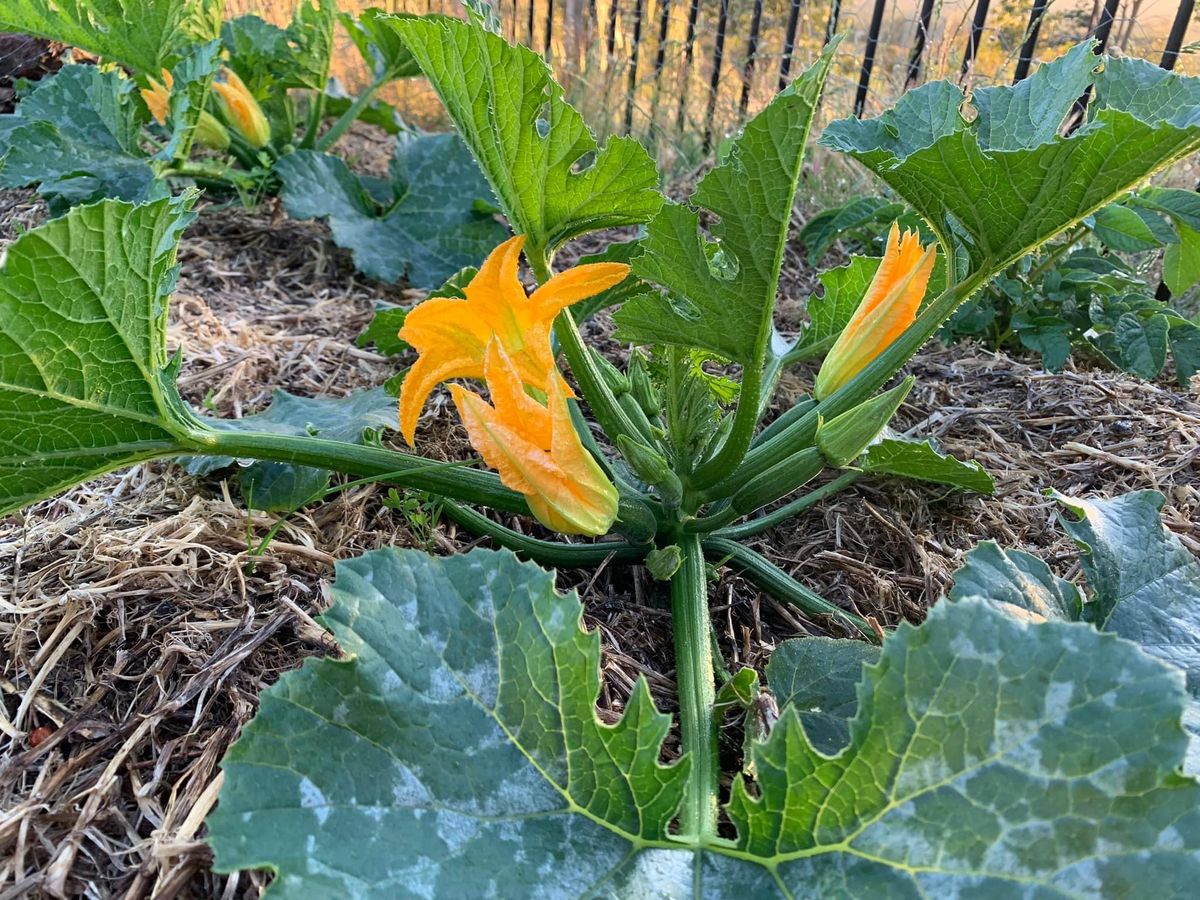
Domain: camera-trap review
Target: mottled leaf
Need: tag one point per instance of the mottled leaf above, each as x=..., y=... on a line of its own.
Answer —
x=276, y=486
x=75, y=136
x=431, y=228
x=455, y=751
x=818, y=678
x=1018, y=579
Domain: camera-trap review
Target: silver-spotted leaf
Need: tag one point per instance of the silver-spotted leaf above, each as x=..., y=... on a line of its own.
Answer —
x=549, y=177
x=75, y=137
x=997, y=186
x=719, y=294
x=431, y=224
x=455, y=752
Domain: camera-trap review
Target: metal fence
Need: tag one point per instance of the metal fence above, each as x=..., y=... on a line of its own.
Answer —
x=682, y=73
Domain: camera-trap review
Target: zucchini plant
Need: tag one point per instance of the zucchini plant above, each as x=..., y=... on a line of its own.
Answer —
x=457, y=751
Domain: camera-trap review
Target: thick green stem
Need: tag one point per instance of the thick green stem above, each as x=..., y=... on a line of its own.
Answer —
x=550, y=553
x=783, y=513
x=779, y=583
x=734, y=447
x=483, y=488
x=346, y=119
x=316, y=111
x=696, y=683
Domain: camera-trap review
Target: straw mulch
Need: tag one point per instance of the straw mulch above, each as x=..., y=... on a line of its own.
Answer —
x=137, y=627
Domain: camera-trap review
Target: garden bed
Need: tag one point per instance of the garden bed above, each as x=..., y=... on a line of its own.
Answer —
x=137, y=628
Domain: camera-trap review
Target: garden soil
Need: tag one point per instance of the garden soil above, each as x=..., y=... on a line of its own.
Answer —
x=138, y=625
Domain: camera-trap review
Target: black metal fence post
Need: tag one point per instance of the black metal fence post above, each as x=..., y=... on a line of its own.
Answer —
x=714, y=84
x=789, y=43
x=918, y=50
x=751, y=53
x=631, y=88
x=549, y=26
x=1030, y=43
x=868, y=63
x=1179, y=28
x=831, y=24
x=689, y=52
x=981, y=11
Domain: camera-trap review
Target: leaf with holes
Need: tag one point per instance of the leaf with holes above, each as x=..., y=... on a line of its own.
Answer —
x=549, y=177
x=997, y=186
x=719, y=295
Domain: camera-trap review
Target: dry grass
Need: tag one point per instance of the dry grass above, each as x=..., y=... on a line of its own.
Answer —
x=137, y=629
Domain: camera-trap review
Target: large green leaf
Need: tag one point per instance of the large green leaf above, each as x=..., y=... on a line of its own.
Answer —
x=719, y=295
x=85, y=382
x=549, y=177
x=142, y=34
x=1019, y=579
x=276, y=486
x=431, y=225
x=831, y=310
x=75, y=136
x=1145, y=584
x=456, y=751
x=996, y=186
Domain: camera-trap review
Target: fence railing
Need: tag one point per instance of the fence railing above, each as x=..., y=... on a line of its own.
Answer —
x=682, y=73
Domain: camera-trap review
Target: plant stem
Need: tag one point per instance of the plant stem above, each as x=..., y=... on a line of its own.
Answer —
x=550, y=553
x=810, y=351
x=316, y=110
x=608, y=412
x=734, y=447
x=346, y=119
x=696, y=684
x=785, y=512
x=774, y=580
x=456, y=483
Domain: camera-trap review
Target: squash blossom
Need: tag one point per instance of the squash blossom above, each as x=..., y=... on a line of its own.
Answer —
x=536, y=449
x=158, y=96
x=451, y=335
x=241, y=110
x=887, y=308
x=209, y=131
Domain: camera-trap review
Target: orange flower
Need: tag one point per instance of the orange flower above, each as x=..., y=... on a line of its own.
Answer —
x=889, y=306
x=451, y=335
x=241, y=110
x=158, y=97
x=535, y=448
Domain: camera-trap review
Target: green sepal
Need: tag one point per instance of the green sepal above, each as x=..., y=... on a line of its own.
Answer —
x=843, y=438
x=663, y=562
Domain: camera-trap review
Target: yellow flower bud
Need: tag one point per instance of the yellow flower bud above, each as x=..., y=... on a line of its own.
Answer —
x=241, y=110
x=211, y=133
x=888, y=307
